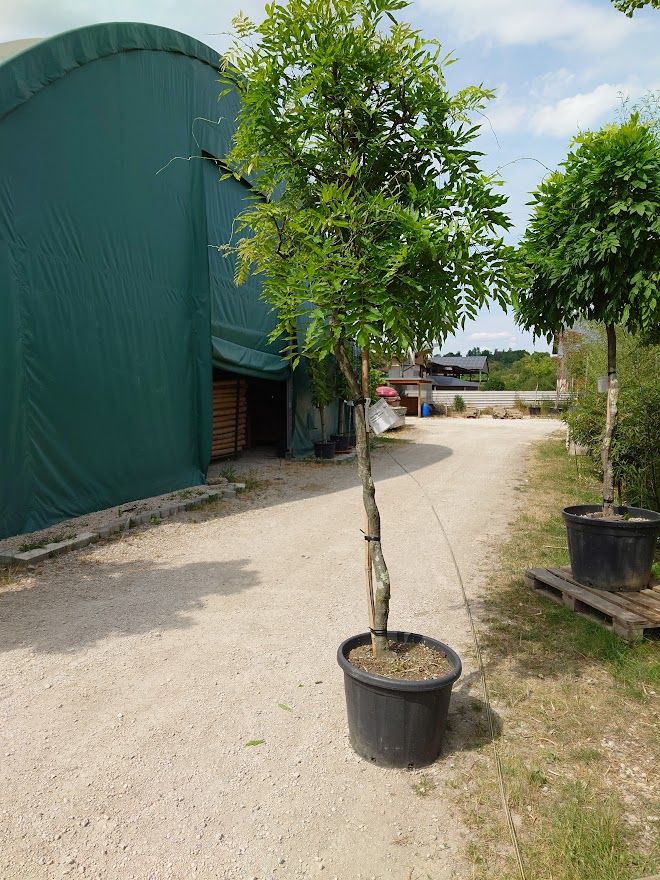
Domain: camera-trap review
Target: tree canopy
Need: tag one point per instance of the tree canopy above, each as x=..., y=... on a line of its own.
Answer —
x=537, y=370
x=629, y=7
x=592, y=247
x=376, y=225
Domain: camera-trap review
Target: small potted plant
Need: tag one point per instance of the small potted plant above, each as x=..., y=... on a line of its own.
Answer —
x=378, y=233
x=345, y=437
x=591, y=251
x=323, y=393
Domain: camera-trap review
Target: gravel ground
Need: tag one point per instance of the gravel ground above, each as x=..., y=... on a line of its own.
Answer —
x=92, y=522
x=134, y=673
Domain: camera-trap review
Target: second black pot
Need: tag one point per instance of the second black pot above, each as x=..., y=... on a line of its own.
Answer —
x=324, y=450
x=341, y=442
x=393, y=722
x=612, y=555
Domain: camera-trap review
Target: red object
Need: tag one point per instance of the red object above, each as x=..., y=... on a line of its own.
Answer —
x=386, y=391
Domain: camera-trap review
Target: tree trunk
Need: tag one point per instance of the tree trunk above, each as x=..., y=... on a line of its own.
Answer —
x=610, y=422
x=382, y=576
x=322, y=417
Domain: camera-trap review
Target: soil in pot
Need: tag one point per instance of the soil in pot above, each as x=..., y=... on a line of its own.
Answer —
x=412, y=661
x=611, y=553
x=398, y=722
x=324, y=450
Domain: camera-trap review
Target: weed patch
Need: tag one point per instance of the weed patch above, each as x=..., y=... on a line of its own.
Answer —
x=55, y=538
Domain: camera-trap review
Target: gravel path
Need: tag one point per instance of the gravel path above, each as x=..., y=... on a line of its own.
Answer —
x=134, y=673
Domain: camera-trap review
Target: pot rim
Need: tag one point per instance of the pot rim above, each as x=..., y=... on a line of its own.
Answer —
x=400, y=684
x=575, y=514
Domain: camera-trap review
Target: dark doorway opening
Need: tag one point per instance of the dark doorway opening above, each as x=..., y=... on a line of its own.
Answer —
x=267, y=415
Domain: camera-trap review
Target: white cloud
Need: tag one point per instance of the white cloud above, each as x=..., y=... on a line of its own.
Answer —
x=551, y=84
x=568, y=23
x=545, y=113
x=479, y=337
x=506, y=116
x=576, y=113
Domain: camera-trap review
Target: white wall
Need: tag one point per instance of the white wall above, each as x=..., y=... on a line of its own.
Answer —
x=483, y=399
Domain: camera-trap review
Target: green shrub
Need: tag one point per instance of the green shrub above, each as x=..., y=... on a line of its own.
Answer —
x=459, y=403
x=635, y=447
x=494, y=383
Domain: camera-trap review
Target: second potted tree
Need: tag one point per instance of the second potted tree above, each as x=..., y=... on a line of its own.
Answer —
x=323, y=394
x=592, y=251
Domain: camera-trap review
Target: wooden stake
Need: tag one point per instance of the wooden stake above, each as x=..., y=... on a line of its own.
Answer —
x=368, y=570
x=368, y=565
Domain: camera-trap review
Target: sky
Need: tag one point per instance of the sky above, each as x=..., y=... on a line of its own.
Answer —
x=558, y=67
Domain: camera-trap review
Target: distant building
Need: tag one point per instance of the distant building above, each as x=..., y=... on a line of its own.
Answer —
x=471, y=368
x=461, y=373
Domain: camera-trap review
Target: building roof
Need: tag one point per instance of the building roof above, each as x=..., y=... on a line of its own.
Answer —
x=28, y=66
x=15, y=47
x=471, y=364
x=450, y=382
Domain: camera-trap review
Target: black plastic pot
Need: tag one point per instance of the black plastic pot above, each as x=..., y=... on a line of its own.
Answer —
x=615, y=555
x=341, y=442
x=352, y=439
x=393, y=722
x=324, y=450
x=534, y=410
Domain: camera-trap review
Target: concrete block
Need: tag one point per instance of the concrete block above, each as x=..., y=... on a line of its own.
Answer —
x=141, y=518
x=32, y=556
x=58, y=547
x=84, y=539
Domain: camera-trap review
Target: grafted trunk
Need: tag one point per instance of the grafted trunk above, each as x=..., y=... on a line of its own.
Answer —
x=610, y=422
x=381, y=596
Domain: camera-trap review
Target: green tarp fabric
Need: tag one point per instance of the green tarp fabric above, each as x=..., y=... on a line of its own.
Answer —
x=241, y=322
x=113, y=307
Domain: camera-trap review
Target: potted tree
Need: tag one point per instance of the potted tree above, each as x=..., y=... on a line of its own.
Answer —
x=345, y=436
x=592, y=251
x=323, y=393
x=377, y=233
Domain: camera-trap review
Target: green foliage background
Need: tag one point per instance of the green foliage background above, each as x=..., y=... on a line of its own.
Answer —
x=636, y=444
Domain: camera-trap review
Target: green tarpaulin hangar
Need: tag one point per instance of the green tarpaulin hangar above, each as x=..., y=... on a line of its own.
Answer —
x=127, y=353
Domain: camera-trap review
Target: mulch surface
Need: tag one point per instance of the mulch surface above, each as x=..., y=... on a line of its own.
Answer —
x=412, y=662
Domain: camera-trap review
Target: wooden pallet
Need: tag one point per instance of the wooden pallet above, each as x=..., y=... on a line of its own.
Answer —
x=631, y=615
